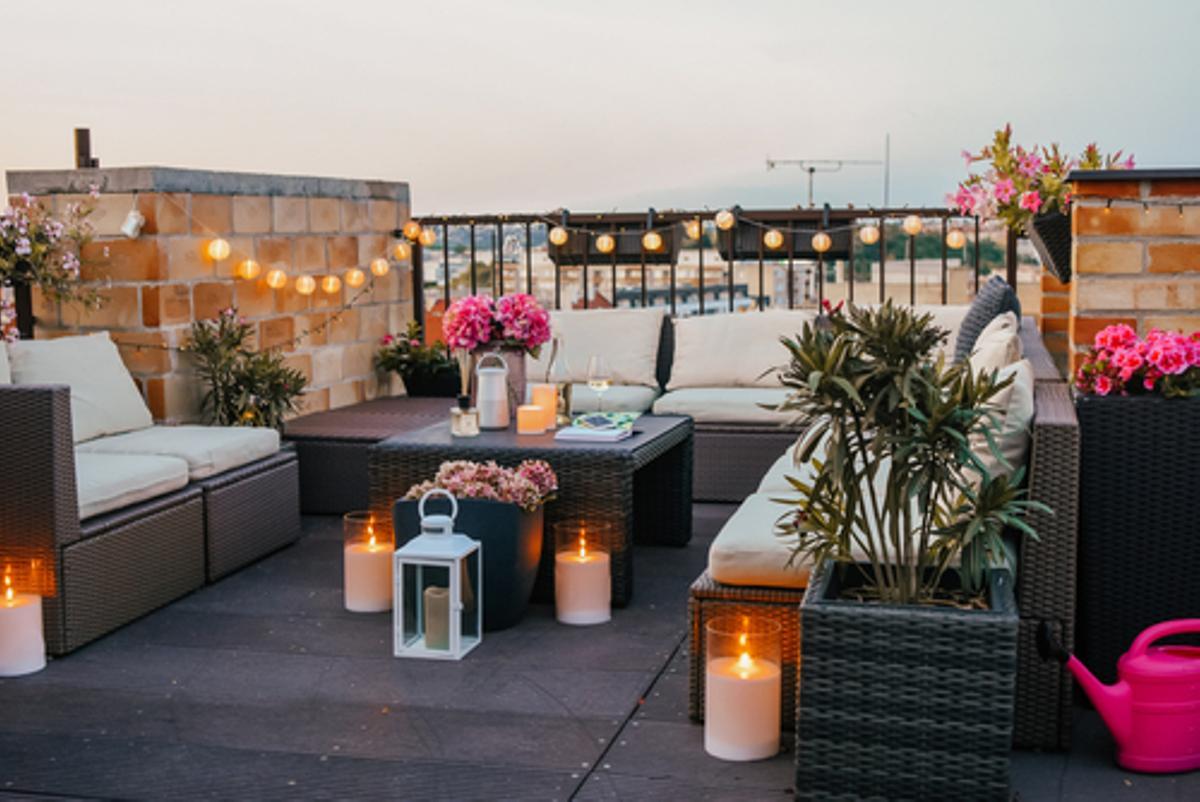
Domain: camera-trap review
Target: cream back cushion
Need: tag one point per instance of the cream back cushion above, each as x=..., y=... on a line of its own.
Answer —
x=104, y=398
x=1013, y=409
x=735, y=349
x=5, y=374
x=626, y=338
x=998, y=345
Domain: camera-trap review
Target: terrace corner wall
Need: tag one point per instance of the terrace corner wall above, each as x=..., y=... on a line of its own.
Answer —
x=159, y=283
x=1135, y=260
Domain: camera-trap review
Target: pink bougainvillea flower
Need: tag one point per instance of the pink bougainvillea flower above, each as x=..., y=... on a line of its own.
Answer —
x=1004, y=190
x=1031, y=200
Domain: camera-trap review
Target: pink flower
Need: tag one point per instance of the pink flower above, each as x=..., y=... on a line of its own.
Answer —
x=1030, y=165
x=523, y=321
x=1031, y=200
x=968, y=158
x=964, y=199
x=468, y=322
x=386, y=339
x=1004, y=190
x=1128, y=164
x=1103, y=385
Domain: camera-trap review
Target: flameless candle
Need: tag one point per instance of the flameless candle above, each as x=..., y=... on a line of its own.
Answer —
x=742, y=690
x=530, y=420
x=22, y=648
x=546, y=397
x=367, y=570
x=582, y=574
x=437, y=617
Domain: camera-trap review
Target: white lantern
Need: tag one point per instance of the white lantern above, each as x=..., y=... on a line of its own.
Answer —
x=912, y=225
x=821, y=242
x=438, y=604
x=725, y=219
x=773, y=239
x=869, y=234
x=955, y=238
x=558, y=236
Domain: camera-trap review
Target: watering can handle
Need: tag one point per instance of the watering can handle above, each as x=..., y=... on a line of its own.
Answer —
x=438, y=491
x=494, y=355
x=1163, y=630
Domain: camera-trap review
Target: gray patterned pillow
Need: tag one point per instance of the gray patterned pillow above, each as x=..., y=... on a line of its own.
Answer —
x=994, y=298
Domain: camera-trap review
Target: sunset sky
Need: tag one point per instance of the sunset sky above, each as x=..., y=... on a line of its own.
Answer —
x=527, y=106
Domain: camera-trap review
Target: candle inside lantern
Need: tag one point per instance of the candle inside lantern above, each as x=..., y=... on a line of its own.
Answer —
x=367, y=565
x=582, y=573
x=530, y=420
x=22, y=647
x=546, y=397
x=437, y=617
x=742, y=692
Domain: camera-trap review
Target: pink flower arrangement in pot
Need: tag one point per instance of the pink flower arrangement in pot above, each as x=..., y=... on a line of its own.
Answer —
x=513, y=321
x=1121, y=363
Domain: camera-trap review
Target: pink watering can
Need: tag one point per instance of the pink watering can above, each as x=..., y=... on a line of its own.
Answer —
x=1153, y=710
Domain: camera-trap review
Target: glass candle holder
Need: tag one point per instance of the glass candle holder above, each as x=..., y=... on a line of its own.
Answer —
x=530, y=419
x=742, y=687
x=22, y=647
x=464, y=418
x=583, y=572
x=367, y=563
x=546, y=397
x=562, y=415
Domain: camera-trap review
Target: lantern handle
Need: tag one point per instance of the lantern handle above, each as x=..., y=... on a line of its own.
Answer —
x=491, y=355
x=438, y=491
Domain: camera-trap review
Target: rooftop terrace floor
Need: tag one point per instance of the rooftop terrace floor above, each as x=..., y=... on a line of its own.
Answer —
x=263, y=687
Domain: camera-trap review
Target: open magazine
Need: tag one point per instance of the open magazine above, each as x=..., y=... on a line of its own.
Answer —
x=599, y=427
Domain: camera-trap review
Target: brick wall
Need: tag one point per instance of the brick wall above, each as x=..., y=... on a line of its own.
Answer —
x=158, y=284
x=1135, y=252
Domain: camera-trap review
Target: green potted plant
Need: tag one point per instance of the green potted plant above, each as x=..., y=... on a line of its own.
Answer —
x=426, y=370
x=909, y=625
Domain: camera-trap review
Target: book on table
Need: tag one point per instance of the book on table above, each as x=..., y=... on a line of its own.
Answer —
x=599, y=427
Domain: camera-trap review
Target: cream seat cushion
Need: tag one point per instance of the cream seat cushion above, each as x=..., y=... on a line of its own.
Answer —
x=748, y=552
x=726, y=405
x=104, y=398
x=618, y=398
x=775, y=479
x=206, y=450
x=736, y=349
x=627, y=338
x=106, y=482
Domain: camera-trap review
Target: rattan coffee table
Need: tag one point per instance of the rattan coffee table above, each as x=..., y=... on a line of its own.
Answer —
x=642, y=485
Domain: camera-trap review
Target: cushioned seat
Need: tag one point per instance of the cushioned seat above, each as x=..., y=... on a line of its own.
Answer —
x=726, y=405
x=619, y=398
x=775, y=481
x=748, y=552
x=106, y=482
x=207, y=450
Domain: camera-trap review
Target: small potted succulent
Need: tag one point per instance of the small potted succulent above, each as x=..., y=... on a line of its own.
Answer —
x=426, y=370
x=503, y=509
x=909, y=624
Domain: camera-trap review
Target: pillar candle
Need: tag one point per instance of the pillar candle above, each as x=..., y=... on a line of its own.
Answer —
x=546, y=397
x=741, y=708
x=582, y=587
x=22, y=648
x=368, y=576
x=530, y=420
x=437, y=617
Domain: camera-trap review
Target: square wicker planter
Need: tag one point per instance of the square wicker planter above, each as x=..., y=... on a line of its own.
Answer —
x=1139, y=541
x=904, y=702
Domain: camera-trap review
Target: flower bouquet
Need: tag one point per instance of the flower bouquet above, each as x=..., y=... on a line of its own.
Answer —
x=513, y=326
x=1121, y=363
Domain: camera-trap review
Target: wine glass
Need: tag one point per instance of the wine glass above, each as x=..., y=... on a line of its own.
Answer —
x=599, y=378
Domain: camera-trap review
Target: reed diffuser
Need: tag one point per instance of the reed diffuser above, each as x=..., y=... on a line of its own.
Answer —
x=464, y=418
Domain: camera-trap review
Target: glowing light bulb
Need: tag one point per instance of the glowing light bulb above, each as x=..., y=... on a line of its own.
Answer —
x=821, y=242
x=725, y=219
x=428, y=237
x=955, y=238
x=912, y=225
x=869, y=234
x=773, y=239
x=558, y=236
x=218, y=249
x=606, y=243
x=306, y=285
x=331, y=284
x=652, y=241
x=380, y=266
x=412, y=230
x=691, y=229
x=248, y=269
x=276, y=279
x=401, y=251
x=355, y=277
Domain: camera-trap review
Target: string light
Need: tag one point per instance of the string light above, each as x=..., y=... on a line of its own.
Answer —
x=428, y=236
x=606, y=243
x=401, y=251
x=248, y=269
x=691, y=228
x=821, y=242
x=558, y=236
x=331, y=284
x=773, y=239
x=355, y=277
x=955, y=238
x=869, y=234
x=218, y=250
x=380, y=267
x=725, y=219
x=652, y=241
x=276, y=279
x=912, y=225
x=412, y=230
x=306, y=285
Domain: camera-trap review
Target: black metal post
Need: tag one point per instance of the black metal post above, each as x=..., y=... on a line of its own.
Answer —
x=418, y=284
x=761, y=277
x=976, y=254
x=474, y=278
x=642, y=249
x=912, y=269
x=850, y=264
x=945, y=274
x=498, y=259
x=613, y=265
x=23, y=306
x=587, y=245
x=700, y=268
x=446, y=262
x=1010, y=258
x=882, y=257
x=529, y=258
x=791, y=270
x=731, y=255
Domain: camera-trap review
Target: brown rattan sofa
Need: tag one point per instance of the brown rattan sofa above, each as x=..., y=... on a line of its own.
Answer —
x=1045, y=581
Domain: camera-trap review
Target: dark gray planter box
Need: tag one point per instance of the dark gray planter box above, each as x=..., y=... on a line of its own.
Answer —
x=904, y=702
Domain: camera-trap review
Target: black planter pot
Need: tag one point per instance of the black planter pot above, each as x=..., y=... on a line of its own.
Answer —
x=1050, y=234
x=512, y=548
x=1139, y=540
x=432, y=384
x=904, y=702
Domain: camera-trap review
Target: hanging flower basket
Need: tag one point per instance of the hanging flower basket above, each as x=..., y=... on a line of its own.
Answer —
x=1050, y=234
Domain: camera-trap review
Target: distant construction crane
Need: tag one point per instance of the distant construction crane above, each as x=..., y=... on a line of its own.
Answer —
x=814, y=166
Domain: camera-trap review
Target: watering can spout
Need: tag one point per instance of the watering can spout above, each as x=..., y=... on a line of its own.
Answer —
x=1113, y=702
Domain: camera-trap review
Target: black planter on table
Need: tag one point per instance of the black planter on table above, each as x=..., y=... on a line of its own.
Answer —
x=512, y=548
x=1050, y=234
x=904, y=701
x=1139, y=532
x=428, y=384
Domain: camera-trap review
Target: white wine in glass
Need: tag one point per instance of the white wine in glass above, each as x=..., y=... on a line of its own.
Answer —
x=599, y=379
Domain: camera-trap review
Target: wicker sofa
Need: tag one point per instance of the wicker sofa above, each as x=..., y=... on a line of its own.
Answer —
x=110, y=526
x=1045, y=580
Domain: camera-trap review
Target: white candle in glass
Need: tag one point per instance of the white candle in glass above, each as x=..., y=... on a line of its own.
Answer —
x=582, y=585
x=22, y=647
x=368, y=575
x=741, y=707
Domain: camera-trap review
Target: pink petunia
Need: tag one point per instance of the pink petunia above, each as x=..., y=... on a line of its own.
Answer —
x=1103, y=385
